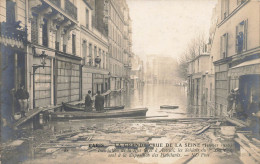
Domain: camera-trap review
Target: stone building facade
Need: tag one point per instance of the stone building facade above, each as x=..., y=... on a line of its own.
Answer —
x=112, y=19
x=59, y=49
x=236, y=51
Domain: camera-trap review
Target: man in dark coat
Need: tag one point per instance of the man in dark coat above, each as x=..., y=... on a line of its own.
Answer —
x=99, y=102
x=22, y=96
x=88, y=102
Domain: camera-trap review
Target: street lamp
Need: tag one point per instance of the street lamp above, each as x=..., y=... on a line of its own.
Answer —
x=43, y=57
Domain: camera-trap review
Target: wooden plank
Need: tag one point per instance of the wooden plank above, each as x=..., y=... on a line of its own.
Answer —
x=33, y=113
x=256, y=140
x=242, y=137
x=202, y=130
x=30, y=115
x=235, y=122
x=252, y=153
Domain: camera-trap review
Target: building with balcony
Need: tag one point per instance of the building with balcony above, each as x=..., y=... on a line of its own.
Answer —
x=58, y=55
x=235, y=51
x=94, y=52
x=52, y=28
x=111, y=18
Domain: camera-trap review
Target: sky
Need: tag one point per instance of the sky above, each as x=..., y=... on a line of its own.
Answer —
x=165, y=27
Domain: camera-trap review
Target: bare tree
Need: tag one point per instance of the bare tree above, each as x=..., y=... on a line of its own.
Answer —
x=193, y=49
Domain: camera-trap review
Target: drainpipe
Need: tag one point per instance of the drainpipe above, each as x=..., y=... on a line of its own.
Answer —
x=27, y=75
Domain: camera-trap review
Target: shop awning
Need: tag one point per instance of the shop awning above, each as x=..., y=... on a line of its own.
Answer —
x=245, y=68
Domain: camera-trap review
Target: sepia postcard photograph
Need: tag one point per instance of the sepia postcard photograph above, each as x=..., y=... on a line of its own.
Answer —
x=130, y=81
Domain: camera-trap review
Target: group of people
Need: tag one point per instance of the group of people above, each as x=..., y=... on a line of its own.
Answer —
x=99, y=102
x=237, y=105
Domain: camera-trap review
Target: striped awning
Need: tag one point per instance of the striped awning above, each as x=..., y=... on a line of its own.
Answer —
x=245, y=68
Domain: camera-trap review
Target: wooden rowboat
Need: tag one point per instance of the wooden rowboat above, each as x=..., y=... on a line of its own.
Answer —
x=71, y=108
x=168, y=107
x=103, y=114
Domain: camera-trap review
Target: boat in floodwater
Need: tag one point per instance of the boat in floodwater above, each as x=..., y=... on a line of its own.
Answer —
x=168, y=107
x=99, y=114
x=81, y=107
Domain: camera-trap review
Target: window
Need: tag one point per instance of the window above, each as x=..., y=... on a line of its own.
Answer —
x=34, y=29
x=84, y=49
x=224, y=45
x=73, y=44
x=87, y=18
x=45, y=33
x=10, y=12
x=95, y=52
x=224, y=8
x=90, y=54
x=210, y=92
x=241, y=36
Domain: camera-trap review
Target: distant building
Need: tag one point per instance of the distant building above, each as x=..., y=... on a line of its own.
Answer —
x=137, y=72
x=197, y=78
x=161, y=70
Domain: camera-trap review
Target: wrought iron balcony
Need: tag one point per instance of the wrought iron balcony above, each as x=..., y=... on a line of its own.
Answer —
x=13, y=30
x=71, y=9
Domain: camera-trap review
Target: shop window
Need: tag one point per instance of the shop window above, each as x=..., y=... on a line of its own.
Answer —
x=241, y=36
x=224, y=45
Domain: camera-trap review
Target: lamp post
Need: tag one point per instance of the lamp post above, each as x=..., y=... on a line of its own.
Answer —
x=43, y=57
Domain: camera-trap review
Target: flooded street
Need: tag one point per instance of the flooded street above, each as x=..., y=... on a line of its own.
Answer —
x=168, y=135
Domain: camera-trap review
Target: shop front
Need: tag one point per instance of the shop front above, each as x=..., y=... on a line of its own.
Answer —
x=67, y=78
x=245, y=77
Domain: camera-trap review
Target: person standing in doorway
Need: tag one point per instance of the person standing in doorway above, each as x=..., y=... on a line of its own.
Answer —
x=99, y=102
x=230, y=99
x=88, y=101
x=22, y=96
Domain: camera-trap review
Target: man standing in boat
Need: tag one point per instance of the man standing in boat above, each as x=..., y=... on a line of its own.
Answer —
x=99, y=102
x=88, y=102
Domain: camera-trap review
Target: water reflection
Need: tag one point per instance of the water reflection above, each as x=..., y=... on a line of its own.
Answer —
x=152, y=96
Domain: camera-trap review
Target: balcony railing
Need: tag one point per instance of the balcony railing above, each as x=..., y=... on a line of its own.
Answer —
x=71, y=9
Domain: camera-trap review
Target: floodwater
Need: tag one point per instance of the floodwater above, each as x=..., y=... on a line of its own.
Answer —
x=161, y=138
x=152, y=97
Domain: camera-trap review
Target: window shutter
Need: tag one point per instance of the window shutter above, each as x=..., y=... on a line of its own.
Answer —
x=221, y=46
x=226, y=48
x=236, y=41
x=245, y=34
